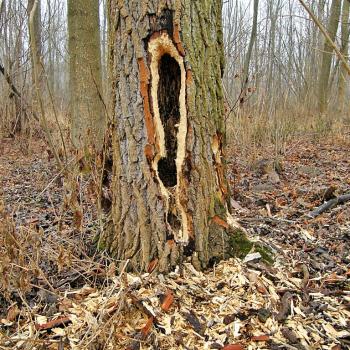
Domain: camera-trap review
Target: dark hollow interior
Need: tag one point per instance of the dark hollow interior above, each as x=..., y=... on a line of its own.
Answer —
x=169, y=110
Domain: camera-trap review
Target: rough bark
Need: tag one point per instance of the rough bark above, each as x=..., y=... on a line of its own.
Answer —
x=169, y=193
x=327, y=55
x=87, y=110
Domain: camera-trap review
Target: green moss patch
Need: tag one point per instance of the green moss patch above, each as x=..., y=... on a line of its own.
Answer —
x=240, y=246
x=266, y=253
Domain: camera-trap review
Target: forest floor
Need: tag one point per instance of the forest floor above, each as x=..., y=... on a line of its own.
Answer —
x=56, y=293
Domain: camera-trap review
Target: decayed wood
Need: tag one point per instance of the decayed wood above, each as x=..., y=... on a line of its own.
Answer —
x=153, y=219
x=329, y=204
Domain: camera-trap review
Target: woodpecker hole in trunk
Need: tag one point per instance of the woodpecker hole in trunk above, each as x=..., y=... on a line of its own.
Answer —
x=169, y=110
x=168, y=97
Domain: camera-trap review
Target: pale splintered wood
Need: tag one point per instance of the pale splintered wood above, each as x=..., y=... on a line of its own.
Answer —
x=157, y=48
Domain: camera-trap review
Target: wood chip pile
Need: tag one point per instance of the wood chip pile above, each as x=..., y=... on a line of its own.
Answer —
x=235, y=306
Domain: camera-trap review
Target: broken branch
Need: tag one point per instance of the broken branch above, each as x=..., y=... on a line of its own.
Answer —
x=326, y=35
x=329, y=204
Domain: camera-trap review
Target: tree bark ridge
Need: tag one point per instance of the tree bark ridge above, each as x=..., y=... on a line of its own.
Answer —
x=150, y=217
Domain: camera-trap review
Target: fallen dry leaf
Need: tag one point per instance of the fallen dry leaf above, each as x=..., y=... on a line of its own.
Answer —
x=152, y=265
x=12, y=313
x=221, y=305
x=284, y=307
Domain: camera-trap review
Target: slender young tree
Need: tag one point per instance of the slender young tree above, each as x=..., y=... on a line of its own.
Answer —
x=87, y=110
x=332, y=28
x=249, y=52
x=343, y=74
x=37, y=36
x=169, y=192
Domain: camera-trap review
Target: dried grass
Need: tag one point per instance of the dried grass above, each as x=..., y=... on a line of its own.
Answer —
x=271, y=132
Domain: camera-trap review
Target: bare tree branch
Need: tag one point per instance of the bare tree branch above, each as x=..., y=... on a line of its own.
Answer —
x=15, y=90
x=326, y=35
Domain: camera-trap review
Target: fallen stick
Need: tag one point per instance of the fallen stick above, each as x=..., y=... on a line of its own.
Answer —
x=328, y=205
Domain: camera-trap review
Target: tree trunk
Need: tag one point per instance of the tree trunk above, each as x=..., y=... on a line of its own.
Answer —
x=36, y=34
x=87, y=110
x=327, y=55
x=169, y=193
x=50, y=50
x=37, y=38
x=343, y=74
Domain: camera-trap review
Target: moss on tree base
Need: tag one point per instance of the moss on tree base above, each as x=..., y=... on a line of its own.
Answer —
x=227, y=241
x=241, y=245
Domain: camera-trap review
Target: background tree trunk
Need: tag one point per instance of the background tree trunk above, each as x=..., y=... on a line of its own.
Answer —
x=169, y=190
x=245, y=76
x=37, y=36
x=38, y=54
x=87, y=110
x=343, y=74
x=327, y=55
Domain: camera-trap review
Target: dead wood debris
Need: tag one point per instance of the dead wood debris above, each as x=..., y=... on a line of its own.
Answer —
x=220, y=309
x=329, y=204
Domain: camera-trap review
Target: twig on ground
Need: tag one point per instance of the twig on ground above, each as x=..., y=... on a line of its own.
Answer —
x=269, y=219
x=328, y=205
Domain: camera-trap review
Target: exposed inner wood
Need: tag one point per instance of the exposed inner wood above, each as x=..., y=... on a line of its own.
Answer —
x=168, y=93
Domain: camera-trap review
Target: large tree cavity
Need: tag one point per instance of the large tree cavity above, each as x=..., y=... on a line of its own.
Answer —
x=168, y=103
x=168, y=99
